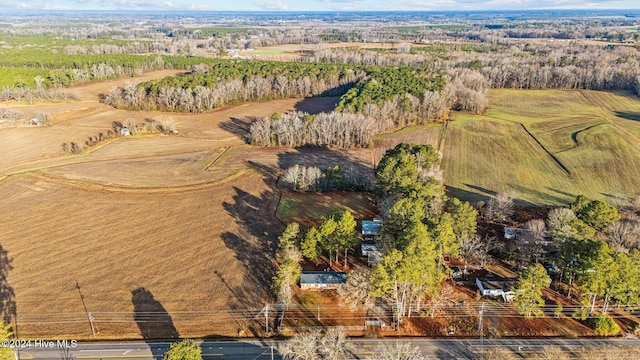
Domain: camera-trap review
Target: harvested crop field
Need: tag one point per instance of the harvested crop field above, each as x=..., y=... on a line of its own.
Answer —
x=160, y=236
x=198, y=253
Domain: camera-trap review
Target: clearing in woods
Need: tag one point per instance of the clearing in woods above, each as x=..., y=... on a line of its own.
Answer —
x=546, y=146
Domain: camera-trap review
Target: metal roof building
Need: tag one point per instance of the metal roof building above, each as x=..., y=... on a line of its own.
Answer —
x=322, y=279
x=371, y=227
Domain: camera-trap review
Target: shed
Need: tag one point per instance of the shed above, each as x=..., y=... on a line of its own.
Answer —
x=368, y=248
x=372, y=252
x=319, y=280
x=497, y=287
x=371, y=227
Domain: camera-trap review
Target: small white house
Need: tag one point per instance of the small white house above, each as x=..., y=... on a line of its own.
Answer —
x=319, y=280
x=497, y=287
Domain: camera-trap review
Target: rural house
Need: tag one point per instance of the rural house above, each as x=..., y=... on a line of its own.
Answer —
x=497, y=287
x=320, y=280
x=371, y=227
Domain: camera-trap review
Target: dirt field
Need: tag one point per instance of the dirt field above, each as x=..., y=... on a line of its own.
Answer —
x=161, y=236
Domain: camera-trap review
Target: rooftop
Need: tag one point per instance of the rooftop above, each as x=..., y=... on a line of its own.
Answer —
x=323, y=277
x=504, y=284
x=371, y=227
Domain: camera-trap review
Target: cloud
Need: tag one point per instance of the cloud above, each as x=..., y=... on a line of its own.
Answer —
x=201, y=7
x=504, y=4
x=129, y=4
x=13, y=4
x=272, y=5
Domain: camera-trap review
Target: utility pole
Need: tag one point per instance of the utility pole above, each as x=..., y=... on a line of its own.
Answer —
x=481, y=329
x=15, y=334
x=266, y=318
x=89, y=316
x=318, y=313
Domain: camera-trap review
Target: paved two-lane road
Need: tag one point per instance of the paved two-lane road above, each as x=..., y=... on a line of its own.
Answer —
x=256, y=350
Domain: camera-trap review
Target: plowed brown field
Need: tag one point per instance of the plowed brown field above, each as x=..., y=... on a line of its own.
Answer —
x=150, y=236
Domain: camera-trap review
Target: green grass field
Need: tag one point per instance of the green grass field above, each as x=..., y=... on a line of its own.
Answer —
x=311, y=208
x=547, y=146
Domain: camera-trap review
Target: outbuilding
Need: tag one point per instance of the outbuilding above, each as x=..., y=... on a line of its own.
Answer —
x=497, y=287
x=371, y=227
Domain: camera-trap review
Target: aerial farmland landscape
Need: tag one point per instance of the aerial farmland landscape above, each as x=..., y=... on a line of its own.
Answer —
x=320, y=180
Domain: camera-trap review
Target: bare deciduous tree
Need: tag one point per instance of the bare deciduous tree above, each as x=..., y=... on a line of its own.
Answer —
x=11, y=115
x=623, y=235
x=317, y=345
x=531, y=245
x=500, y=207
x=398, y=351
x=475, y=250
x=43, y=117
x=559, y=221
x=357, y=291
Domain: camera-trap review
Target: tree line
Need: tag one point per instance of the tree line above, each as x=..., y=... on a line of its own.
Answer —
x=334, y=129
x=518, y=66
x=374, y=99
x=312, y=178
x=227, y=82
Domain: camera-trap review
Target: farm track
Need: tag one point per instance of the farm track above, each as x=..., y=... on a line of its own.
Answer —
x=574, y=137
x=553, y=157
x=441, y=139
x=52, y=162
x=217, y=158
x=97, y=186
x=636, y=140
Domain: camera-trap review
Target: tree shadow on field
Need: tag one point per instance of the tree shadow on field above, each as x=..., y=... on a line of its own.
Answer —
x=634, y=116
x=486, y=191
x=466, y=195
x=153, y=320
x=316, y=105
x=254, y=242
x=238, y=127
x=7, y=295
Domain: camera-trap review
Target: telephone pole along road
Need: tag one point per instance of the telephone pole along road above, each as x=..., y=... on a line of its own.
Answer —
x=363, y=349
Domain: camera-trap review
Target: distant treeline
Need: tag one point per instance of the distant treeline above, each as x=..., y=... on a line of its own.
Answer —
x=543, y=65
x=60, y=70
x=230, y=81
x=373, y=99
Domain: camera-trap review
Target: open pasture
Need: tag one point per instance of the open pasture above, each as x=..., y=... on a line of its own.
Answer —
x=546, y=146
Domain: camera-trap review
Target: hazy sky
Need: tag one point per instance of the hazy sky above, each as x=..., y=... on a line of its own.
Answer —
x=315, y=5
